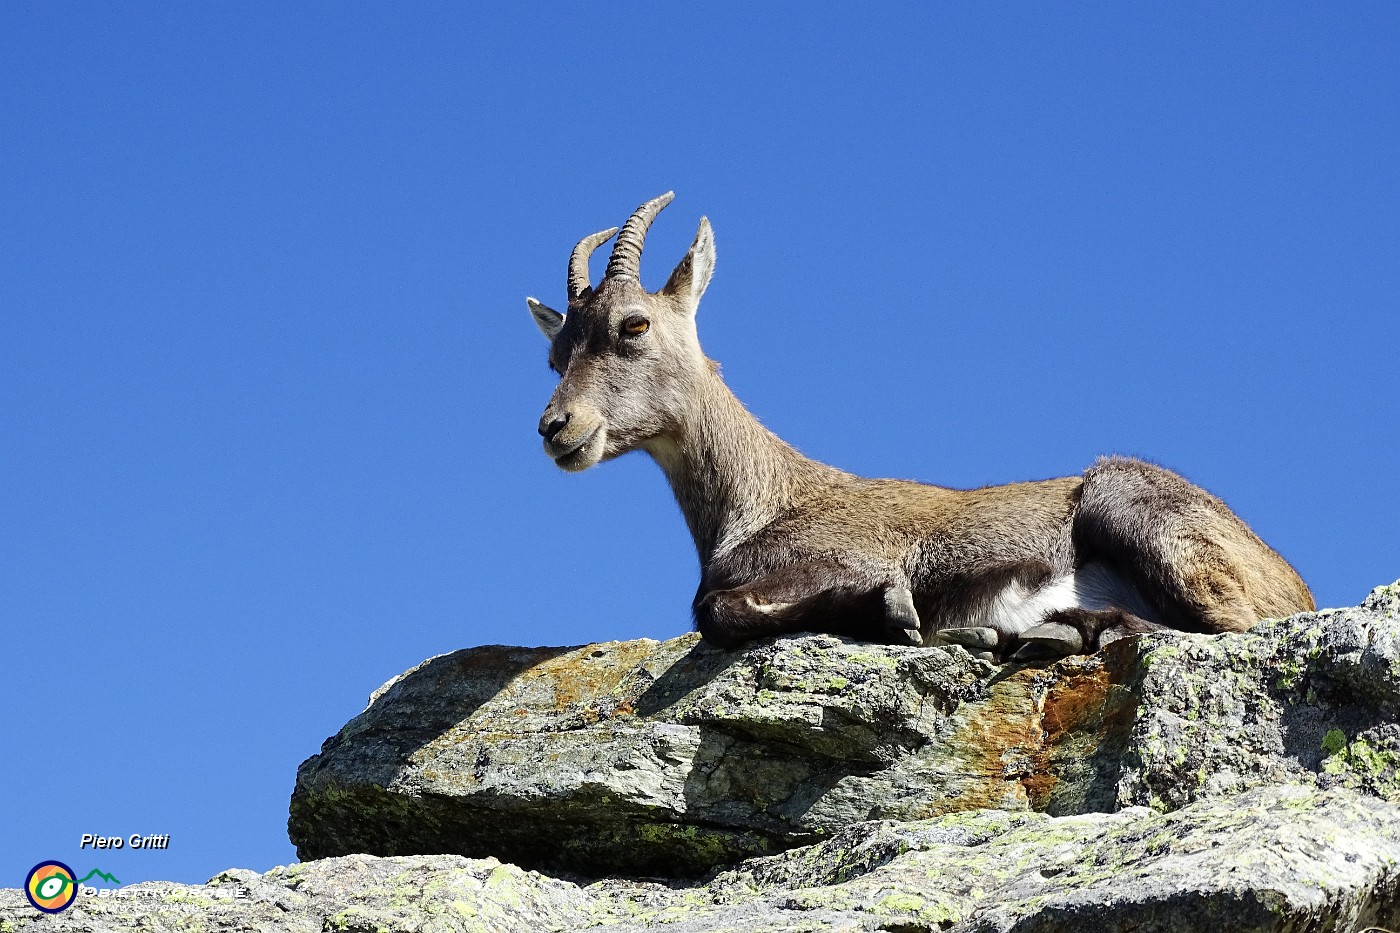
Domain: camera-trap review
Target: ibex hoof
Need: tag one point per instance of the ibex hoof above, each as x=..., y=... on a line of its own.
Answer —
x=977, y=638
x=907, y=636
x=901, y=618
x=1048, y=640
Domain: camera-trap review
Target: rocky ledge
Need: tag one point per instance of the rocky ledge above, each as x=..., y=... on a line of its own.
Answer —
x=673, y=758
x=1171, y=782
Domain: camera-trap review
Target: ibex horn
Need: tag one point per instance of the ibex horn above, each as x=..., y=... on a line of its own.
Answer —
x=579, y=282
x=626, y=259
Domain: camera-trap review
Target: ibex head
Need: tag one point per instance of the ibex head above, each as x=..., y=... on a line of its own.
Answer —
x=627, y=358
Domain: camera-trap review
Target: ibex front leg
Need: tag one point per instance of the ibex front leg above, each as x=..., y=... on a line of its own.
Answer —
x=809, y=597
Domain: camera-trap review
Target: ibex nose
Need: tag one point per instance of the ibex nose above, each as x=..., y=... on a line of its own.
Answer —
x=552, y=424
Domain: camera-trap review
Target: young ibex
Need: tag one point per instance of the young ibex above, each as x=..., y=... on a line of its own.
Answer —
x=1026, y=570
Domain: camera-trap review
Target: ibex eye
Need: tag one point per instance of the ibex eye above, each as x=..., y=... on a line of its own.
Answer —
x=635, y=326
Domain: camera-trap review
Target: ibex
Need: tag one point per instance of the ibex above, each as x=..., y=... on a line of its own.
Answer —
x=1023, y=571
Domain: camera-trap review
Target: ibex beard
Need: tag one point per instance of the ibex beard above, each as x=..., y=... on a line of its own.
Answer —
x=1023, y=571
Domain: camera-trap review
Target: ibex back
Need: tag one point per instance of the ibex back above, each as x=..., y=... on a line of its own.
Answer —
x=787, y=544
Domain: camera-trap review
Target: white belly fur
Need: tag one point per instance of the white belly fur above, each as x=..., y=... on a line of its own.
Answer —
x=1093, y=586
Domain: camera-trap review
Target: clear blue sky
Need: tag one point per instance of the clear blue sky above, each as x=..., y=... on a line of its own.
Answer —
x=268, y=385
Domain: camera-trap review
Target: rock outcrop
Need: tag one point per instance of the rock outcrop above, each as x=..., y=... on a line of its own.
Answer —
x=672, y=758
x=1170, y=783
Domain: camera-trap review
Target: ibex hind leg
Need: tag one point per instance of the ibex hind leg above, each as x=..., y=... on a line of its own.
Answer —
x=1188, y=555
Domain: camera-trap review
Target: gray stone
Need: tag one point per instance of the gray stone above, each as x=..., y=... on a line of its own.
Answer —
x=662, y=758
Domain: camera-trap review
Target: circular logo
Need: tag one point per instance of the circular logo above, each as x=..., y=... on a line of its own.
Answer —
x=50, y=887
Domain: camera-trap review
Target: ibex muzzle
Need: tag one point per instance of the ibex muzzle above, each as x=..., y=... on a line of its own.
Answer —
x=787, y=544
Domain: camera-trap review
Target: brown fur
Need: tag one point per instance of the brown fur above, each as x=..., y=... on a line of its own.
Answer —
x=788, y=544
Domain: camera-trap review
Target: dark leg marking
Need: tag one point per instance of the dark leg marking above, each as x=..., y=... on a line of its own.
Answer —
x=809, y=598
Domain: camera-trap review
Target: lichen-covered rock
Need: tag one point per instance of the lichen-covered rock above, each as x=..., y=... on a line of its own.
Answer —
x=350, y=894
x=1289, y=858
x=1312, y=697
x=1286, y=858
x=671, y=758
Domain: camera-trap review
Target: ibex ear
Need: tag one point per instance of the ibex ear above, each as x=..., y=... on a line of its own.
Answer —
x=692, y=276
x=549, y=321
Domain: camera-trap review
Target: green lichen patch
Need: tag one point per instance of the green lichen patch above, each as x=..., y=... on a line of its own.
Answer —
x=1363, y=765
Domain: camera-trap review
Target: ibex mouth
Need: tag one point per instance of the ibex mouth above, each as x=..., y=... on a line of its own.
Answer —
x=579, y=455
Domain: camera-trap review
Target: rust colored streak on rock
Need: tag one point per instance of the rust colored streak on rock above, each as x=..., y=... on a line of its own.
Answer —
x=994, y=739
x=1083, y=708
x=583, y=675
x=1075, y=702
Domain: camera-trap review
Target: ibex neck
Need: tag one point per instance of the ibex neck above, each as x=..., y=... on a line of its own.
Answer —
x=730, y=474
